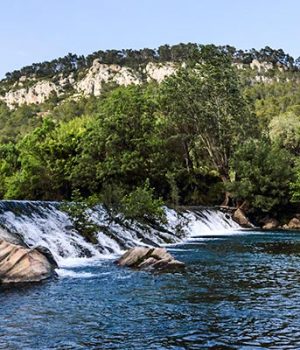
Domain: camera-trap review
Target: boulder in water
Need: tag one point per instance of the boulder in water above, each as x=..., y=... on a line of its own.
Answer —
x=294, y=224
x=240, y=218
x=20, y=265
x=270, y=224
x=150, y=259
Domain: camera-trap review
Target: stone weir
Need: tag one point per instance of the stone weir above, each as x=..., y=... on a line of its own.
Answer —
x=30, y=224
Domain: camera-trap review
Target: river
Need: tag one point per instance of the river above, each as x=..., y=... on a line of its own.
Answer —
x=239, y=291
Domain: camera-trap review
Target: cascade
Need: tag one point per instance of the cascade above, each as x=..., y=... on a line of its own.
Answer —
x=37, y=223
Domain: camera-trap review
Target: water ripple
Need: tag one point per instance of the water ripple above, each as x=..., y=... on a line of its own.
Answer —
x=236, y=293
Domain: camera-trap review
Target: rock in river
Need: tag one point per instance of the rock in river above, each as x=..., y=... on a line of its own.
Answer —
x=294, y=224
x=240, y=217
x=150, y=259
x=19, y=264
x=270, y=224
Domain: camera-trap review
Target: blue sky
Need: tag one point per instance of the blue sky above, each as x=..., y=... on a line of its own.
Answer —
x=38, y=30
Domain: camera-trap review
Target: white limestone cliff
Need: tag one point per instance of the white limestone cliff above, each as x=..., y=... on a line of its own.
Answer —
x=36, y=94
x=158, y=72
x=94, y=79
x=99, y=74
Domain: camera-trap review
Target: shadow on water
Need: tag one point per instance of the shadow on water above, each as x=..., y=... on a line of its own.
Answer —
x=21, y=288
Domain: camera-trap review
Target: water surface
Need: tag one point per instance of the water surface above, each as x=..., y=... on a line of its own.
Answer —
x=239, y=291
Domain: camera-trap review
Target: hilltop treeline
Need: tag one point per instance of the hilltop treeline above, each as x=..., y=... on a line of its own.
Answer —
x=137, y=58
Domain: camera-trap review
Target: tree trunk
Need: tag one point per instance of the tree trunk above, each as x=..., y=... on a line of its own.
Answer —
x=188, y=161
x=227, y=197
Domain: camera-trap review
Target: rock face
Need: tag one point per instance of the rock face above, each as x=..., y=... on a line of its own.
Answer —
x=294, y=224
x=18, y=264
x=38, y=93
x=91, y=83
x=150, y=259
x=240, y=217
x=261, y=66
x=270, y=224
x=159, y=72
x=99, y=74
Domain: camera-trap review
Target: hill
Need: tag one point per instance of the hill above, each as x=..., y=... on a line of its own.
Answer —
x=186, y=124
x=74, y=75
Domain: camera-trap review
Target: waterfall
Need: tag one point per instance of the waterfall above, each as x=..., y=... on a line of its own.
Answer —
x=35, y=223
x=210, y=222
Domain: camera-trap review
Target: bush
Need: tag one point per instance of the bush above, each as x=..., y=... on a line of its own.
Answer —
x=78, y=210
x=141, y=205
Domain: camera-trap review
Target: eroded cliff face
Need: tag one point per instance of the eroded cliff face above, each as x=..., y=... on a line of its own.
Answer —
x=93, y=80
x=159, y=72
x=100, y=74
x=37, y=93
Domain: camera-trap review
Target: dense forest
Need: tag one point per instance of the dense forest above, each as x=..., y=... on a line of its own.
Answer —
x=206, y=135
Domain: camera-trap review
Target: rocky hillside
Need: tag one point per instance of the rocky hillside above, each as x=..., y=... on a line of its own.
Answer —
x=92, y=82
x=79, y=76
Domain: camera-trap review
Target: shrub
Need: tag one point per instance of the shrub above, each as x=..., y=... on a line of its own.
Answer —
x=141, y=205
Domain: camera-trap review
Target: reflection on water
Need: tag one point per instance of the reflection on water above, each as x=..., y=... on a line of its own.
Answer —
x=238, y=292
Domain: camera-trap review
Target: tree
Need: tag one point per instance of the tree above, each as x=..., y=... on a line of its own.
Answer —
x=141, y=205
x=285, y=130
x=123, y=145
x=8, y=165
x=207, y=111
x=45, y=161
x=32, y=178
x=263, y=174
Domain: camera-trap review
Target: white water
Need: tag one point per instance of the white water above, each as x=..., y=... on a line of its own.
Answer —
x=211, y=223
x=42, y=223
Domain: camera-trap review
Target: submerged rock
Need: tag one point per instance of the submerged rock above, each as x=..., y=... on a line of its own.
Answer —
x=19, y=264
x=240, y=218
x=150, y=259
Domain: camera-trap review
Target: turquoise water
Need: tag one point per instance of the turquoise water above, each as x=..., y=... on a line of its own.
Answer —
x=238, y=292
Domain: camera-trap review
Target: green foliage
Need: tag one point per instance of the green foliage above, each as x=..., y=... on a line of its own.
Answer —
x=31, y=178
x=263, y=174
x=188, y=136
x=45, y=159
x=174, y=191
x=79, y=211
x=295, y=185
x=8, y=165
x=207, y=111
x=285, y=131
x=111, y=197
x=141, y=205
x=123, y=145
x=16, y=123
x=274, y=99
